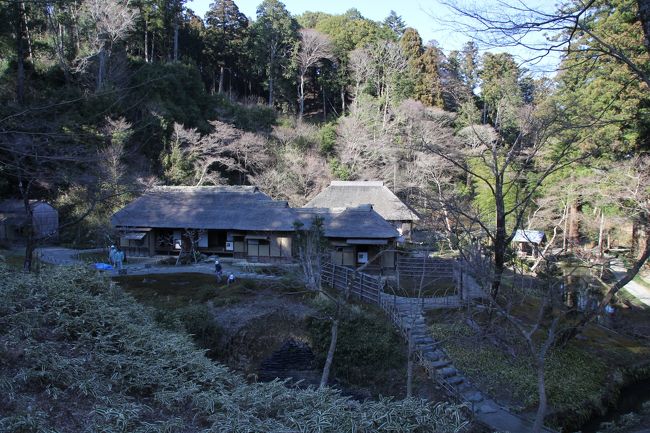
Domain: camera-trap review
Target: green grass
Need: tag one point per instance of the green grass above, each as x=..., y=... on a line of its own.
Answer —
x=170, y=291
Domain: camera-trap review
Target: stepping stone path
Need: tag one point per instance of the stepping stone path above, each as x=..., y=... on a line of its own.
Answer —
x=407, y=316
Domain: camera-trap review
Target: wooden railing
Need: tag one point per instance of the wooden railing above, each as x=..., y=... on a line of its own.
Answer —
x=409, y=266
x=363, y=286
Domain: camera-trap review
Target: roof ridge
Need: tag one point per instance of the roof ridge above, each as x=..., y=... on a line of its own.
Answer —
x=205, y=188
x=357, y=183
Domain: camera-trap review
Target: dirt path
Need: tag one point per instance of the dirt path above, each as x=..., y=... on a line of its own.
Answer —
x=63, y=256
x=637, y=290
x=67, y=256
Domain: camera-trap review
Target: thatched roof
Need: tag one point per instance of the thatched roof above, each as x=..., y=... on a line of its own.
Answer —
x=529, y=236
x=12, y=211
x=358, y=222
x=213, y=207
x=243, y=208
x=351, y=194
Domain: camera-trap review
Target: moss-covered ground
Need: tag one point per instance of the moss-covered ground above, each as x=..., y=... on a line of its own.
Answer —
x=580, y=377
x=242, y=324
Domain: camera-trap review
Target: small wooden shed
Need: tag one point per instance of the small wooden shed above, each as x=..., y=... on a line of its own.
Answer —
x=529, y=242
x=14, y=220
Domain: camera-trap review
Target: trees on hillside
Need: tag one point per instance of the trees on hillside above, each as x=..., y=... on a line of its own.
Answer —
x=275, y=34
x=225, y=39
x=314, y=48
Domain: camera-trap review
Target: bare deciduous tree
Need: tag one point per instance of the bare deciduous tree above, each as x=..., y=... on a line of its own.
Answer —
x=314, y=47
x=225, y=149
x=109, y=22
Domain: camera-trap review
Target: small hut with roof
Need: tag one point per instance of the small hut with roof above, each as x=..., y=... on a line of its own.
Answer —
x=529, y=242
x=15, y=220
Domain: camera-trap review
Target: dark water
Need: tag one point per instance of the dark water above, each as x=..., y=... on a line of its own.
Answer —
x=631, y=399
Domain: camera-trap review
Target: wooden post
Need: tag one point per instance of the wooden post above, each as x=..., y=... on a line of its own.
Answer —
x=361, y=287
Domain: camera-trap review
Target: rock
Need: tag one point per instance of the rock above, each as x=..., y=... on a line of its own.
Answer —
x=488, y=407
x=447, y=371
x=440, y=363
x=473, y=396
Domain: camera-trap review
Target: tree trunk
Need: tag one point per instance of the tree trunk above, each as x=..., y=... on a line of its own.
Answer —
x=600, y=233
x=146, y=41
x=574, y=225
x=271, y=64
x=409, y=365
x=220, y=91
x=176, y=39
x=30, y=50
x=565, y=231
x=101, y=68
x=301, y=95
x=322, y=89
x=499, y=241
x=330, y=353
x=541, y=391
x=644, y=17
x=385, y=118
x=30, y=246
x=635, y=239
x=20, y=70
x=342, y=101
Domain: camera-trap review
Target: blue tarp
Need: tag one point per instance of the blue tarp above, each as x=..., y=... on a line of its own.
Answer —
x=103, y=266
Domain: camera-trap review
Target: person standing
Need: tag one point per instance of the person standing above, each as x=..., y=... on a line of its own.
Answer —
x=119, y=258
x=218, y=269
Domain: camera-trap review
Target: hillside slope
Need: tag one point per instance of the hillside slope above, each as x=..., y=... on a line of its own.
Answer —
x=78, y=355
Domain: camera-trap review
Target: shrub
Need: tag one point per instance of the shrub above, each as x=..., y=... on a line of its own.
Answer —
x=327, y=136
x=367, y=346
x=78, y=355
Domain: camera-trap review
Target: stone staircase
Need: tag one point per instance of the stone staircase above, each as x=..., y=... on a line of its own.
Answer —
x=408, y=319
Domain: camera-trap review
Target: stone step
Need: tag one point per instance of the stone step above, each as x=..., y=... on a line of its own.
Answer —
x=454, y=380
x=440, y=363
x=431, y=356
x=472, y=396
x=446, y=371
x=488, y=406
x=419, y=333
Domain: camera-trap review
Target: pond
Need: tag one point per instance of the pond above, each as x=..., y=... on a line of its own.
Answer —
x=580, y=286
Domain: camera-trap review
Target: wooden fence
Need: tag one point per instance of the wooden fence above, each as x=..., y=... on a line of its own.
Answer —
x=409, y=266
x=365, y=287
